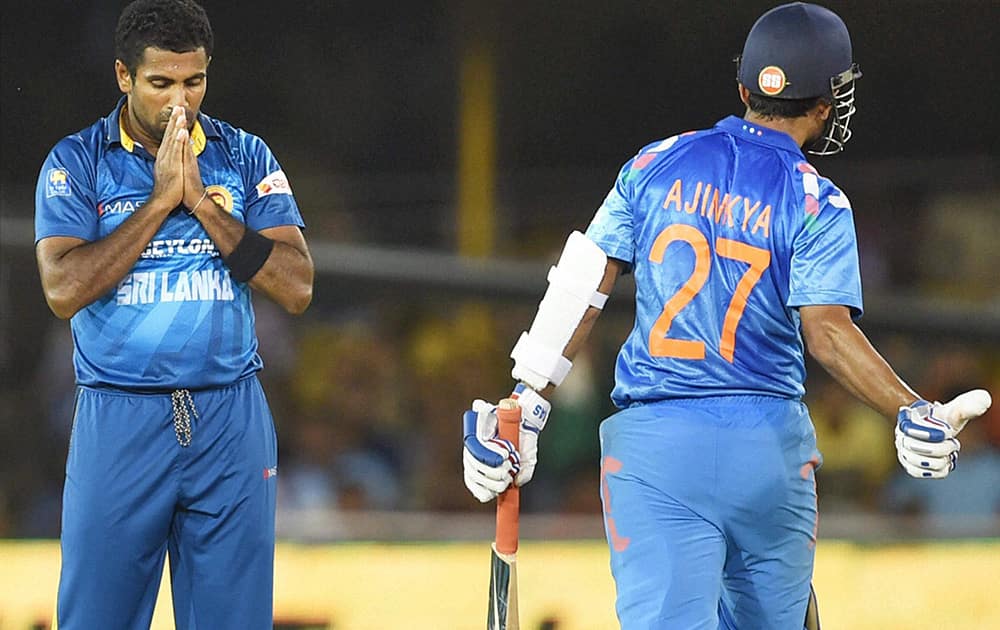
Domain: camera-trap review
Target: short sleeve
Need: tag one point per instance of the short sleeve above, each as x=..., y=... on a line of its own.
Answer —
x=825, y=267
x=611, y=227
x=65, y=197
x=269, y=202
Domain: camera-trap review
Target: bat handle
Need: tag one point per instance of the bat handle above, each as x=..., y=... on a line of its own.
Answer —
x=509, y=502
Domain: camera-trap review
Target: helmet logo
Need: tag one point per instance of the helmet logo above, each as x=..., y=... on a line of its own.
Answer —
x=771, y=80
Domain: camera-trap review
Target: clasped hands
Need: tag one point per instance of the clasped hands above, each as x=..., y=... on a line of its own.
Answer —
x=177, y=178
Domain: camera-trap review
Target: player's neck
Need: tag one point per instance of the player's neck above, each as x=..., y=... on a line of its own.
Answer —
x=135, y=132
x=800, y=129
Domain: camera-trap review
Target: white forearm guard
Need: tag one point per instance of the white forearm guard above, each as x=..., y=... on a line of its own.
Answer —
x=573, y=285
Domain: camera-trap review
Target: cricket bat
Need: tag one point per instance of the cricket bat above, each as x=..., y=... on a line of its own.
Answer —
x=502, y=614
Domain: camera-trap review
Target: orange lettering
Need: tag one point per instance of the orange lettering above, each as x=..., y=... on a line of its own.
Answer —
x=759, y=260
x=611, y=465
x=723, y=207
x=763, y=221
x=748, y=211
x=717, y=208
x=674, y=196
x=691, y=207
x=659, y=344
x=729, y=210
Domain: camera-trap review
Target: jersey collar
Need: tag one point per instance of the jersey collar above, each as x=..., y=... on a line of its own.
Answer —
x=761, y=135
x=115, y=132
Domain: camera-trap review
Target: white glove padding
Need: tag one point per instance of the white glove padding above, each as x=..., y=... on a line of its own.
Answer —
x=926, y=443
x=534, y=413
x=491, y=462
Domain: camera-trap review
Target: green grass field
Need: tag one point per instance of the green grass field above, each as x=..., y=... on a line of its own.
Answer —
x=441, y=586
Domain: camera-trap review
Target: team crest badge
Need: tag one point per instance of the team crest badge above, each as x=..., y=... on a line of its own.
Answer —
x=222, y=197
x=57, y=183
x=771, y=80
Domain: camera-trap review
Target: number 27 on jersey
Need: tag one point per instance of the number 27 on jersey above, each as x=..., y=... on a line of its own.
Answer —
x=759, y=259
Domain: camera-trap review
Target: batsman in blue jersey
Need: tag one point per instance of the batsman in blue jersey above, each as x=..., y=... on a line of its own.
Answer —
x=743, y=257
x=152, y=227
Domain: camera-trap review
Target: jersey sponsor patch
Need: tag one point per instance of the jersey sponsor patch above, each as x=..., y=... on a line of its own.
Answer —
x=771, y=80
x=274, y=184
x=57, y=183
x=221, y=196
x=120, y=206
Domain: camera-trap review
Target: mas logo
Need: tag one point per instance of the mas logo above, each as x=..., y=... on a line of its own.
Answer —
x=222, y=197
x=771, y=80
x=274, y=184
x=57, y=183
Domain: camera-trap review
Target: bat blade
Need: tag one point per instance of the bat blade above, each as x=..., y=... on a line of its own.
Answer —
x=503, y=614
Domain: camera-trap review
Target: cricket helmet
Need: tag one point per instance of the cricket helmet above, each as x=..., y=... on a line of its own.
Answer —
x=800, y=51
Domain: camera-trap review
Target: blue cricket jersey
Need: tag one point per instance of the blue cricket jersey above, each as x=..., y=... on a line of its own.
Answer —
x=728, y=230
x=177, y=319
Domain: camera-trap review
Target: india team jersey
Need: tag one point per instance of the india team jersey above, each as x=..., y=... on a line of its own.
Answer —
x=177, y=319
x=728, y=230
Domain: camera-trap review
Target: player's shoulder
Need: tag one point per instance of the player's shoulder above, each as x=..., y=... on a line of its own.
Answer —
x=659, y=151
x=674, y=142
x=232, y=135
x=817, y=188
x=79, y=149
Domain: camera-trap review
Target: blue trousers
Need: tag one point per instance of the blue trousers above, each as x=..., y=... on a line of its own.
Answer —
x=133, y=492
x=710, y=513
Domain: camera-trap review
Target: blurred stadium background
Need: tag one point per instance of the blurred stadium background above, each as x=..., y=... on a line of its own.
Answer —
x=440, y=152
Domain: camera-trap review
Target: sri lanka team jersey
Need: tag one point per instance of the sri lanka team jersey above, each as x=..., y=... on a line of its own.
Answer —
x=728, y=230
x=177, y=319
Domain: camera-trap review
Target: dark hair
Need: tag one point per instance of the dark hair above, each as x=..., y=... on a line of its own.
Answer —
x=174, y=25
x=770, y=107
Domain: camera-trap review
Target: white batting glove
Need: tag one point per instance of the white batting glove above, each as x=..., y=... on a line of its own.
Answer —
x=490, y=462
x=926, y=442
x=534, y=413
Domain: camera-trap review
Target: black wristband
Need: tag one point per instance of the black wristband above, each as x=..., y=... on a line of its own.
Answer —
x=249, y=255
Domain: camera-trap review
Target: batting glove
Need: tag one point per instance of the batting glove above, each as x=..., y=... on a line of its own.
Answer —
x=534, y=413
x=490, y=462
x=926, y=442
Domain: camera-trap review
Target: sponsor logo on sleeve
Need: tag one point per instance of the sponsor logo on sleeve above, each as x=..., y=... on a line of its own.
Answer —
x=274, y=184
x=57, y=183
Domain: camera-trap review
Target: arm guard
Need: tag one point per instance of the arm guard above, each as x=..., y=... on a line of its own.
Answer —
x=573, y=284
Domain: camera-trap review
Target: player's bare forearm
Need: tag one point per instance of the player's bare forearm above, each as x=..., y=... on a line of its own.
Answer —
x=286, y=276
x=845, y=352
x=75, y=272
